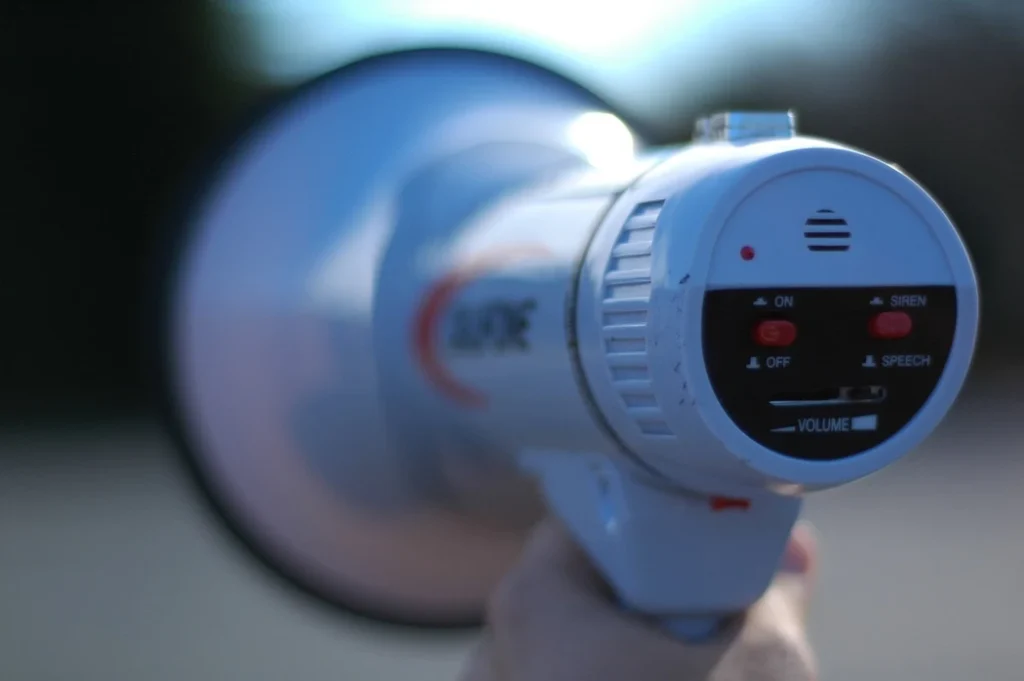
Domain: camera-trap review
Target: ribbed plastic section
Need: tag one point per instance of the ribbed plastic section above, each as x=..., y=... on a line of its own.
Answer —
x=625, y=308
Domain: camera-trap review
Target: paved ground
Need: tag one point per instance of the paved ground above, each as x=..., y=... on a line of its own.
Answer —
x=110, y=572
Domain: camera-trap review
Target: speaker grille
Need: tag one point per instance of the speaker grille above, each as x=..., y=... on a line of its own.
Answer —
x=827, y=232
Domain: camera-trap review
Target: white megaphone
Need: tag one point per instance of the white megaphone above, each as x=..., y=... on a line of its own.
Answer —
x=437, y=292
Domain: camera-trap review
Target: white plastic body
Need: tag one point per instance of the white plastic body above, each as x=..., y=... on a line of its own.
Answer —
x=639, y=317
x=718, y=198
x=639, y=500
x=522, y=251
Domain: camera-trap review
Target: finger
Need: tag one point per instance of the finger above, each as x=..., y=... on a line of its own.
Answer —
x=773, y=642
x=482, y=664
x=795, y=582
x=801, y=553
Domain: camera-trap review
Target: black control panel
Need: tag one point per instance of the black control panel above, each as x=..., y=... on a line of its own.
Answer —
x=826, y=373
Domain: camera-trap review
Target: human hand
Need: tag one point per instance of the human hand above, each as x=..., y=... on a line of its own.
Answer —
x=553, y=619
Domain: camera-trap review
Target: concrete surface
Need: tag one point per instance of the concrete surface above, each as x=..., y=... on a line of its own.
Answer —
x=111, y=571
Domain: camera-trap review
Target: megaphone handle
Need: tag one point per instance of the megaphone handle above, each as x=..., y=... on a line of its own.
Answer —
x=685, y=559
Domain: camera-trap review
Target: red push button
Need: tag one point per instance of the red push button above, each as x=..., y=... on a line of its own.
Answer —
x=776, y=333
x=891, y=325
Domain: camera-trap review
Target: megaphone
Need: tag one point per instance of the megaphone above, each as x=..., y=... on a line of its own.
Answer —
x=438, y=293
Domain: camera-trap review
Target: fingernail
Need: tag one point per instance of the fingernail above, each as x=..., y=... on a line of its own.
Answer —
x=799, y=555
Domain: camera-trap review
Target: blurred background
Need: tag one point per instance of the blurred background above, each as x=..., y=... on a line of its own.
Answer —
x=111, y=569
